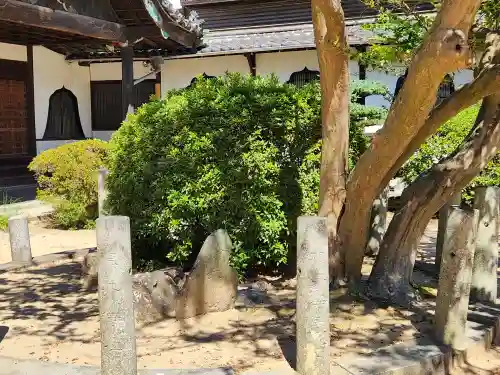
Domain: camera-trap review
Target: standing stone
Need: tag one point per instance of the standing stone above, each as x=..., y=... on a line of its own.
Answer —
x=378, y=223
x=116, y=309
x=19, y=234
x=443, y=218
x=313, y=308
x=102, y=192
x=455, y=276
x=212, y=284
x=484, y=272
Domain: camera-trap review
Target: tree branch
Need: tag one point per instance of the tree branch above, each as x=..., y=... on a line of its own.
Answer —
x=444, y=50
x=485, y=84
x=392, y=271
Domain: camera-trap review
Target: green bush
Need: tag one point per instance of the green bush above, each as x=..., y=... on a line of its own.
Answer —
x=67, y=178
x=442, y=144
x=4, y=222
x=240, y=153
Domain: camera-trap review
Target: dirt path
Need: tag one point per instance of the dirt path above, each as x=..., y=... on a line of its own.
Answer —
x=47, y=241
x=46, y=316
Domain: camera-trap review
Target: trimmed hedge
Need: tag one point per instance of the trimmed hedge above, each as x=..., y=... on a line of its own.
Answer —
x=240, y=153
x=67, y=178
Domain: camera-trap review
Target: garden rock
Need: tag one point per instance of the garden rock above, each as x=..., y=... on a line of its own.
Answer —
x=155, y=293
x=90, y=266
x=155, y=296
x=212, y=284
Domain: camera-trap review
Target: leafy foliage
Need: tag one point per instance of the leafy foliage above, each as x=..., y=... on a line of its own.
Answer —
x=442, y=144
x=240, y=153
x=399, y=30
x=396, y=37
x=67, y=178
x=4, y=222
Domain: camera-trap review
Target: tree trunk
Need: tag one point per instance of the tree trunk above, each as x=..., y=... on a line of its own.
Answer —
x=444, y=50
x=332, y=48
x=390, y=277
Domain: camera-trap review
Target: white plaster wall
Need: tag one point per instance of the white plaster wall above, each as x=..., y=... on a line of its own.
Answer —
x=178, y=73
x=460, y=78
x=50, y=73
x=113, y=71
x=13, y=52
x=42, y=146
x=104, y=135
x=387, y=79
x=283, y=64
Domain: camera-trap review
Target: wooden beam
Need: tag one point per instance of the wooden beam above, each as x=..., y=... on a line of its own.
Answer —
x=127, y=54
x=37, y=16
x=252, y=63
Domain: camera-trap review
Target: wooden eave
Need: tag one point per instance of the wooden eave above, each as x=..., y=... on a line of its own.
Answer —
x=68, y=33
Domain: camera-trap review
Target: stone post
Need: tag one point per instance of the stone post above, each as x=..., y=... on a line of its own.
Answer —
x=101, y=189
x=378, y=223
x=313, y=308
x=484, y=272
x=19, y=234
x=455, y=276
x=442, y=226
x=116, y=310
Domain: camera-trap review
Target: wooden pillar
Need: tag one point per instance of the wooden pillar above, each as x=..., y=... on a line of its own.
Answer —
x=127, y=54
x=158, y=86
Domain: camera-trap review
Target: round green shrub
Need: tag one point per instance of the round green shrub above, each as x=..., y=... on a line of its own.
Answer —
x=238, y=153
x=67, y=178
x=443, y=143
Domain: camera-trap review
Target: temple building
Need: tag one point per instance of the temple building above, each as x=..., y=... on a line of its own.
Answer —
x=71, y=69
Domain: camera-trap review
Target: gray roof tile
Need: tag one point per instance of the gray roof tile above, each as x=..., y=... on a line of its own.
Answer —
x=270, y=39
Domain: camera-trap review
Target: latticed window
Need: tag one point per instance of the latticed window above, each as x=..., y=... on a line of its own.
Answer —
x=63, y=121
x=303, y=77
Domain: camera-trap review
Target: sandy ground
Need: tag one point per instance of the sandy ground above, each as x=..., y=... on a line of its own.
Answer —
x=45, y=315
x=46, y=241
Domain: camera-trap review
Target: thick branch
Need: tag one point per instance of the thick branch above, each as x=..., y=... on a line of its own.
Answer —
x=444, y=50
x=391, y=273
x=485, y=84
x=33, y=15
x=332, y=49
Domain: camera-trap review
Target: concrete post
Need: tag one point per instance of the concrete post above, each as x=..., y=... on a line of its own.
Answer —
x=313, y=308
x=378, y=223
x=19, y=234
x=455, y=276
x=484, y=272
x=101, y=190
x=442, y=226
x=116, y=310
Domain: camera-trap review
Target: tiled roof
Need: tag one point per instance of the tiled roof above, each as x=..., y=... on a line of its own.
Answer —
x=272, y=39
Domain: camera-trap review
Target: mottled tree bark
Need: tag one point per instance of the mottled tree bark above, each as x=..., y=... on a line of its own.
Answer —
x=390, y=277
x=444, y=50
x=332, y=48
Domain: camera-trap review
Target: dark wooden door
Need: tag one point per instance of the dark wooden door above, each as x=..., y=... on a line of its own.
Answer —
x=13, y=118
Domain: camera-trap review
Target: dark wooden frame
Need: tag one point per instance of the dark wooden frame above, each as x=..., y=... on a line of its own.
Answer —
x=26, y=14
x=110, y=82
